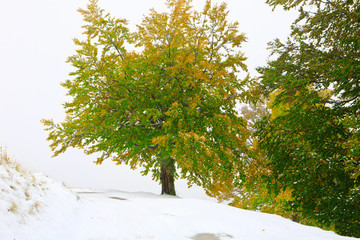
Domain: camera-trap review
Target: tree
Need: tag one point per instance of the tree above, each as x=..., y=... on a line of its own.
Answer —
x=311, y=139
x=167, y=106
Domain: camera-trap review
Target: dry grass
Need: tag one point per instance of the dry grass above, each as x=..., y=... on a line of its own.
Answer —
x=34, y=209
x=14, y=208
x=19, y=189
x=5, y=159
x=4, y=156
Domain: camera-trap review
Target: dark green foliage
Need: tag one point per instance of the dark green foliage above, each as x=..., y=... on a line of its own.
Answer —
x=312, y=138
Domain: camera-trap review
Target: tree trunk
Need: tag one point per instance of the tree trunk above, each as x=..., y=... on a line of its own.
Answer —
x=167, y=177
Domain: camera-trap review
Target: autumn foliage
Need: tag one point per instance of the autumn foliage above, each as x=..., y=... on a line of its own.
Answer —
x=161, y=98
x=311, y=138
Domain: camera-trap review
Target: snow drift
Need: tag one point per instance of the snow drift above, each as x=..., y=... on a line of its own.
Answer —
x=34, y=207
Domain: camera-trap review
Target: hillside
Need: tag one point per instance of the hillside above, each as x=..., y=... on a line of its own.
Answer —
x=34, y=207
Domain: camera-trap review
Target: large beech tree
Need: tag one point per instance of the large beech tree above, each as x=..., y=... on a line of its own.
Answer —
x=166, y=105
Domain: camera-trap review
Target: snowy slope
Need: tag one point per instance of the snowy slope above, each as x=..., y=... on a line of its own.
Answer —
x=29, y=202
x=46, y=210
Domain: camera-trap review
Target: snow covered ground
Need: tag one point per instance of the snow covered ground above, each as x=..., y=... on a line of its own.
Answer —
x=34, y=207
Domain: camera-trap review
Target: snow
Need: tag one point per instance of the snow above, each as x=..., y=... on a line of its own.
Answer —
x=34, y=207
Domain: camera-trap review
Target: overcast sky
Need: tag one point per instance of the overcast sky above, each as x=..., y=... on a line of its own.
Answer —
x=36, y=39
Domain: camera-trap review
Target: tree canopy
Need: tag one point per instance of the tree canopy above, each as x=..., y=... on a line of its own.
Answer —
x=312, y=137
x=161, y=98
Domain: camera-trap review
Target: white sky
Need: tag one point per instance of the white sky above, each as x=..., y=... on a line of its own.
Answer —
x=35, y=41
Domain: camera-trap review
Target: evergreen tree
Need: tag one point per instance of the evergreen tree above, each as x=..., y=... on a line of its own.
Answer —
x=311, y=138
x=167, y=106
